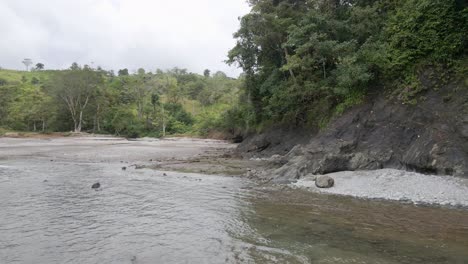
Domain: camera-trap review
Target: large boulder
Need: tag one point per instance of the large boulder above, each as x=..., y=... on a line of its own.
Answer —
x=324, y=181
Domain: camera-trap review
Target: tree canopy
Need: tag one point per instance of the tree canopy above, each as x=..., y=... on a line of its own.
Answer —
x=82, y=98
x=305, y=60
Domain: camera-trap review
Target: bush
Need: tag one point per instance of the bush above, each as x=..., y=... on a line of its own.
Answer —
x=177, y=112
x=206, y=123
x=427, y=29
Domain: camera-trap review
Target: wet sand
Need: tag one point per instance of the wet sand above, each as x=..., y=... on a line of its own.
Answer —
x=107, y=149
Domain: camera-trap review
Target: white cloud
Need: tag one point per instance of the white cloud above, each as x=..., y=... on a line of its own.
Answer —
x=120, y=33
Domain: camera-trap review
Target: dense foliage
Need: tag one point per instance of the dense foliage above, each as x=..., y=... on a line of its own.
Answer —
x=94, y=100
x=306, y=60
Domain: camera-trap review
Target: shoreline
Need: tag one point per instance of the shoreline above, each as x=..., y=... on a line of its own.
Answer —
x=395, y=185
x=216, y=157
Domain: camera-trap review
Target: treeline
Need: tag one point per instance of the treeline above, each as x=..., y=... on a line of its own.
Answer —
x=306, y=61
x=94, y=100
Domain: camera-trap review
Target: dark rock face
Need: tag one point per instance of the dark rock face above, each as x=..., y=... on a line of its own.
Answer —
x=97, y=185
x=275, y=141
x=430, y=137
x=238, y=139
x=324, y=181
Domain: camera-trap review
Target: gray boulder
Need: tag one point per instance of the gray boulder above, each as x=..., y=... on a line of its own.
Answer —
x=324, y=181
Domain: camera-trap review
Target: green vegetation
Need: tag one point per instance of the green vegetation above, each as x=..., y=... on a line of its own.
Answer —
x=93, y=100
x=308, y=60
x=304, y=62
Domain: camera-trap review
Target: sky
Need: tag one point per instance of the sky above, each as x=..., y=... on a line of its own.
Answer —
x=116, y=34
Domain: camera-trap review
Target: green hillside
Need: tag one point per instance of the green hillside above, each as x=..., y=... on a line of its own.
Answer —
x=95, y=100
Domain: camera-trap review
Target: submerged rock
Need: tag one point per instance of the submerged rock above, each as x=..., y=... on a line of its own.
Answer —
x=324, y=181
x=97, y=185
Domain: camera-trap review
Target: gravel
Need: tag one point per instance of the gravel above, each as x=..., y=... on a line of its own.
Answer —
x=396, y=185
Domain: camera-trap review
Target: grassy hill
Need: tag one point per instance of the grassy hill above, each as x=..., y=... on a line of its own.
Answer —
x=15, y=76
x=186, y=103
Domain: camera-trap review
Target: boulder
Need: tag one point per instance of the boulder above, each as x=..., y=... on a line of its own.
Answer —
x=97, y=185
x=324, y=181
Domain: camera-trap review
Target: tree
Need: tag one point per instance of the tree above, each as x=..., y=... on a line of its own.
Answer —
x=34, y=81
x=9, y=93
x=76, y=88
x=123, y=72
x=75, y=66
x=27, y=62
x=141, y=71
x=206, y=73
x=159, y=115
x=170, y=87
x=141, y=85
x=39, y=66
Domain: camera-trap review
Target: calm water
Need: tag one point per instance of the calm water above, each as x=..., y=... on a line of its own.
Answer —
x=49, y=214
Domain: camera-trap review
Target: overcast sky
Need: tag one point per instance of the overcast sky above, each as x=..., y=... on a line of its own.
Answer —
x=118, y=34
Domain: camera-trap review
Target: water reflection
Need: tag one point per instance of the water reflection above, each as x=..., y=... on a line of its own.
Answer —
x=312, y=228
x=142, y=216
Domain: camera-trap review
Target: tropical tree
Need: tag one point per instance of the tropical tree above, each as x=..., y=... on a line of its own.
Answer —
x=123, y=72
x=39, y=66
x=27, y=62
x=76, y=88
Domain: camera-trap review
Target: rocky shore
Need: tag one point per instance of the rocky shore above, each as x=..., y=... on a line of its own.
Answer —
x=415, y=141
x=397, y=185
x=430, y=138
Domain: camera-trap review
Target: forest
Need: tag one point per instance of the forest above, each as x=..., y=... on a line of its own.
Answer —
x=304, y=62
x=307, y=61
x=84, y=99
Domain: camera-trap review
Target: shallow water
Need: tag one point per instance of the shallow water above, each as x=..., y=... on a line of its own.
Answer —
x=49, y=214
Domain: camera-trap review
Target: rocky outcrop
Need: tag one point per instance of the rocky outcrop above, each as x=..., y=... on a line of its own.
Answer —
x=429, y=137
x=275, y=141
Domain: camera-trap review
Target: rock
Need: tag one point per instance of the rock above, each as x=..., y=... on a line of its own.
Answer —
x=124, y=168
x=251, y=173
x=275, y=157
x=97, y=185
x=324, y=181
x=164, y=174
x=238, y=139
